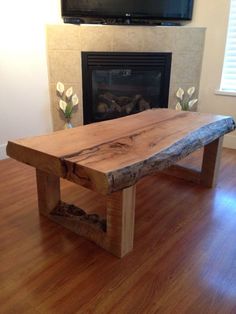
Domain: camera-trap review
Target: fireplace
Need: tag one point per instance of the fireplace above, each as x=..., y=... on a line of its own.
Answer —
x=117, y=84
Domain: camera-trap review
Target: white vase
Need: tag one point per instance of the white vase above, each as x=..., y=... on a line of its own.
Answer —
x=68, y=125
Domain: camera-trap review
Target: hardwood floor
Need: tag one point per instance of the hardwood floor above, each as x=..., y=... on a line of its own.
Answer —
x=184, y=257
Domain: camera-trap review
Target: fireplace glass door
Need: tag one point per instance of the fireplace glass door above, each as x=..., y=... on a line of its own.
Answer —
x=116, y=90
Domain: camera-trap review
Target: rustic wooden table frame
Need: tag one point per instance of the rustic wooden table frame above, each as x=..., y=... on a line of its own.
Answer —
x=117, y=234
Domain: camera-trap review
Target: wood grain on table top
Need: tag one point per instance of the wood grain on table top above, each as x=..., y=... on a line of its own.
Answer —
x=135, y=144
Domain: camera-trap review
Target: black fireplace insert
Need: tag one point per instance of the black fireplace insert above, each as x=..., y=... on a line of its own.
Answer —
x=117, y=84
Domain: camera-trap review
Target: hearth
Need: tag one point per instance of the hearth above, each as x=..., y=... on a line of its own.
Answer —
x=116, y=84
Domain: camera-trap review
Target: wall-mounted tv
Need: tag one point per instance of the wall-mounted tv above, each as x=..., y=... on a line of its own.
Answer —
x=143, y=9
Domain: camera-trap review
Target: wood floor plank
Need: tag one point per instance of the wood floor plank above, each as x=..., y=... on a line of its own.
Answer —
x=183, y=259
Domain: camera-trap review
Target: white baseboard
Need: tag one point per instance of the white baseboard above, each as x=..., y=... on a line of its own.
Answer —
x=230, y=141
x=3, y=154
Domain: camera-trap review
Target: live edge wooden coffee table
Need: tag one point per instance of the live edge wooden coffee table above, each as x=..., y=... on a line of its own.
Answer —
x=111, y=157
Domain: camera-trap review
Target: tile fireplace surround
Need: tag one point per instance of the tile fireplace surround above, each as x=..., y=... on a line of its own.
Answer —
x=65, y=43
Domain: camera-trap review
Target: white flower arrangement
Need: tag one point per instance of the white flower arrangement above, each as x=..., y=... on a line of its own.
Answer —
x=185, y=103
x=68, y=100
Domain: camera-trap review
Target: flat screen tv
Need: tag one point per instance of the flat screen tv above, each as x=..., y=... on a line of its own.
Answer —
x=143, y=9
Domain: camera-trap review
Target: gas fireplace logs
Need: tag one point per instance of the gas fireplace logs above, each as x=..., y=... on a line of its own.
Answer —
x=109, y=103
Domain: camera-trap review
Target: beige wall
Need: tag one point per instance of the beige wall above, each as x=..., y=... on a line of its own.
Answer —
x=24, y=96
x=214, y=16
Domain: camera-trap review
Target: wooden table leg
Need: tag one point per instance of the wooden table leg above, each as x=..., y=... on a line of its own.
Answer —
x=119, y=233
x=117, y=236
x=209, y=170
x=120, y=221
x=48, y=186
x=211, y=163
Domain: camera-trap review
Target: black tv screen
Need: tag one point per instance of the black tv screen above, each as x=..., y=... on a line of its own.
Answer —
x=154, y=9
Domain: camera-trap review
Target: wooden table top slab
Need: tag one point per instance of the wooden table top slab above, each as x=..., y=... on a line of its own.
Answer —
x=111, y=155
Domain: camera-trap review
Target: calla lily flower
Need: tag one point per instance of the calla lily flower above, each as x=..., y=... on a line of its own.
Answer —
x=63, y=105
x=191, y=91
x=60, y=88
x=69, y=92
x=192, y=102
x=74, y=100
x=178, y=107
x=67, y=100
x=180, y=93
x=185, y=103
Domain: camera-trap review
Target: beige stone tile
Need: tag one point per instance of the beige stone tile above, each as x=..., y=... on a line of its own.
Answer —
x=96, y=38
x=158, y=39
x=63, y=37
x=186, y=67
x=188, y=39
x=57, y=115
x=127, y=38
x=64, y=66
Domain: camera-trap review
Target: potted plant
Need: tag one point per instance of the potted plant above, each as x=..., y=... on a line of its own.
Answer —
x=185, y=100
x=67, y=103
